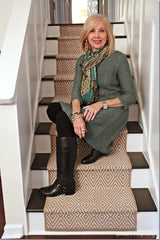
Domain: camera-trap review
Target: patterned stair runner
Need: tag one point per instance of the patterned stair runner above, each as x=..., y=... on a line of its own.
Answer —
x=103, y=200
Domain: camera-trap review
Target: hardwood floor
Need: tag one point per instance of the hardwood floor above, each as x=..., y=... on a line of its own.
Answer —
x=89, y=237
x=2, y=217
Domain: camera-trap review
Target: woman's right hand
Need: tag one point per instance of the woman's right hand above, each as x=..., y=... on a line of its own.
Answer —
x=79, y=127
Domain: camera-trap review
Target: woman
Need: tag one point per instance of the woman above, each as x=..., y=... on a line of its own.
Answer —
x=102, y=92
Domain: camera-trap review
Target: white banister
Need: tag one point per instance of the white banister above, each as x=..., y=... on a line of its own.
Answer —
x=21, y=62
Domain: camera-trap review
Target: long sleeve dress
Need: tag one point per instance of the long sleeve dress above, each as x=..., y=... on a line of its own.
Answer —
x=114, y=81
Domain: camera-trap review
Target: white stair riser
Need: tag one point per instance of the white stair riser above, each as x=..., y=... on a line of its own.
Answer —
x=133, y=113
x=42, y=143
x=121, y=45
x=54, y=31
x=51, y=47
x=40, y=178
x=119, y=30
x=49, y=67
x=47, y=89
x=134, y=143
x=42, y=114
x=146, y=225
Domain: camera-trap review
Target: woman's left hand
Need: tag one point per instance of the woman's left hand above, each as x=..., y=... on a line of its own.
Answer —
x=92, y=110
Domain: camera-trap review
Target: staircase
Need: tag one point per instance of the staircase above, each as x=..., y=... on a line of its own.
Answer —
x=58, y=86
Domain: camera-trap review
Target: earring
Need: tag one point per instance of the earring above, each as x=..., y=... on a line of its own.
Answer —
x=86, y=45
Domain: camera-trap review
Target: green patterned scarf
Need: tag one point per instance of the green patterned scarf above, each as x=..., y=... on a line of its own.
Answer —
x=89, y=86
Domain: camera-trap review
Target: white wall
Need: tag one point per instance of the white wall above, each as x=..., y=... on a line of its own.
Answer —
x=149, y=82
x=20, y=70
x=142, y=19
x=5, y=11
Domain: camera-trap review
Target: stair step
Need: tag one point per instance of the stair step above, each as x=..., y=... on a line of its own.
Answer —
x=56, y=38
x=48, y=100
x=146, y=217
x=43, y=128
x=43, y=142
x=52, y=56
x=142, y=196
x=137, y=159
x=47, y=78
x=134, y=127
x=51, y=62
x=45, y=101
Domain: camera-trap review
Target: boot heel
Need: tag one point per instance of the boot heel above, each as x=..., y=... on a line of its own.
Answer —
x=69, y=191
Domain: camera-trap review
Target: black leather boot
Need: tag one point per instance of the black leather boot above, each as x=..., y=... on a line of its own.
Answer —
x=92, y=157
x=66, y=151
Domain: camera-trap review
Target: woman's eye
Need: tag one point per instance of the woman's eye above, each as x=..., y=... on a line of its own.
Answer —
x=102, y=30
x=92, y=30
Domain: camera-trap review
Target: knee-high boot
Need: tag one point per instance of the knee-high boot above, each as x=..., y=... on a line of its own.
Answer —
x=66, y=153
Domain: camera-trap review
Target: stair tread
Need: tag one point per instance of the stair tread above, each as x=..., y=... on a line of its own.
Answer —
x=142, y=196
x=47, y=78
x=45, y=101
x=137, y=159
x=93, y=201
x=48, y=100
x=134, y=127
x=68, y=56
x=78, y=24
x=40, y=161
x=43, y=128
x=50, y=77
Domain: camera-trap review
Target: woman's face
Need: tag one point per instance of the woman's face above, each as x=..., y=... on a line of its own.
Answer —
x=97, y=36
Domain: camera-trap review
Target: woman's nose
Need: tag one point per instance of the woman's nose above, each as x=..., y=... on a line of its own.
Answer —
x=96, y=33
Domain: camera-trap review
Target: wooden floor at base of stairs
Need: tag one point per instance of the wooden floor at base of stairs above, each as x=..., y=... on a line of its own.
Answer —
x=90, y=237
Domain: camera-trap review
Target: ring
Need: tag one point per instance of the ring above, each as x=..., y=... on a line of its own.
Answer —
x=86, y=109
x=82, y=129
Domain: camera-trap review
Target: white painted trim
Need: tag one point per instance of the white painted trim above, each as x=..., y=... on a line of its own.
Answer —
x=13, y=231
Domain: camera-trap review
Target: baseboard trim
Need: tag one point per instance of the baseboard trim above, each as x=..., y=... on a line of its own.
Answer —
x=12, y=231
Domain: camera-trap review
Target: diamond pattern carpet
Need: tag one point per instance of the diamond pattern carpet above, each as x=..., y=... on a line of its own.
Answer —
x=103, y=200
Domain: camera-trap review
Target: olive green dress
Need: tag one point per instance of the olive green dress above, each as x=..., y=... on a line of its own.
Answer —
x=114, y=80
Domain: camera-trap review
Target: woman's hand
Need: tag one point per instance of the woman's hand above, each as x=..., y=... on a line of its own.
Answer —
x=79, y=127
x=92, y=110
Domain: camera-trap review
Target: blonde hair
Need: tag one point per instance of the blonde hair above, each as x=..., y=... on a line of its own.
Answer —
x=89, y=25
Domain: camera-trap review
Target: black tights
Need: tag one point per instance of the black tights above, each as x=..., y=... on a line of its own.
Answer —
x=62, y=121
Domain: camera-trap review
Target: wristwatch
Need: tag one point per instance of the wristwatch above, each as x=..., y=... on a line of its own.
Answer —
x=105, y=105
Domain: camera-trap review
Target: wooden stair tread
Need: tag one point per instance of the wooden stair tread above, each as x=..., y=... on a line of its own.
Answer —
x=43, y=128
x=56, y=38
x=48, y=100
x=142, y=196
x=137, y=159
x=51, y=56
x=47, y=78
x=78, y=24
